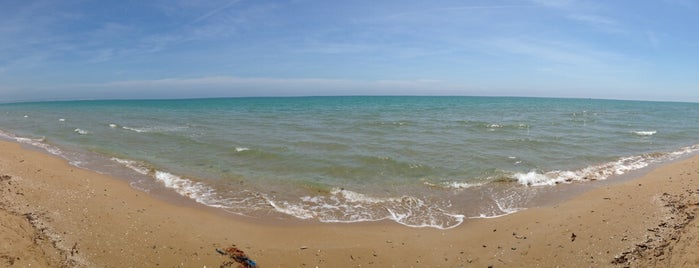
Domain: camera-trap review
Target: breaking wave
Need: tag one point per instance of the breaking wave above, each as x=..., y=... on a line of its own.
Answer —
x=153, y=129
x=36, y=142
x=341, y=206
x=43, y=145
x=645, y=133
x=347, y=206
x=600, y=172
x=81, y=131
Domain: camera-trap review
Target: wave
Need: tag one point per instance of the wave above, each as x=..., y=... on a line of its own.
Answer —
x=344, y=206
x=601, y=171
x=504, y=202
x=341, y=206
x=36, y=142
x=454, y=185
x=43, y=145
x=645, y=133
x=155, y=129
x=198, y=191
x=81, y=131
x=133, y=165
x=139, y=130
x=494, y=126
x=502, y=211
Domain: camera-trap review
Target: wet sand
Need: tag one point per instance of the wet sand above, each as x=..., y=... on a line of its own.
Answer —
x=56, y=215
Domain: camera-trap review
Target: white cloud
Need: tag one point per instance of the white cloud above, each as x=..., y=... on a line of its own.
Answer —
x=547, y=51
x=565, y=62
x=214, y=11
x=556, y=3
x=602, y=23
x=593, y=19
x=228, y=86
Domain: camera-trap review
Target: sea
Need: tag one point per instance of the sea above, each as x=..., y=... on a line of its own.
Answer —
x=419, y=161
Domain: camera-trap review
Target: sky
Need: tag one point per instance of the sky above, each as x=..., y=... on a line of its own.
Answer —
x=620, y=49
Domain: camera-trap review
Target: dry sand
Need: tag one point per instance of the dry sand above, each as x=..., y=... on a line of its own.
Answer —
x=55, y=215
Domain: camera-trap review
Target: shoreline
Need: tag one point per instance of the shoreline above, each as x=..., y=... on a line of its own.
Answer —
x=67, y=216
x=145, y=177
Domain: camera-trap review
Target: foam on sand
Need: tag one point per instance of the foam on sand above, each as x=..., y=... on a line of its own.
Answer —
x=345, y=206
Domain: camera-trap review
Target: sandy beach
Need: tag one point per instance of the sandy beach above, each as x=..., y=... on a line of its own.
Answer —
x=55, y=215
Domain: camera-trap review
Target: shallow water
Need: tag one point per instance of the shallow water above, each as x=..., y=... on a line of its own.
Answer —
x=420, y=161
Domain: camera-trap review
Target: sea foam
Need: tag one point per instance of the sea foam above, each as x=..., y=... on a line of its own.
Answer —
x=645, y=133
x=340, y=206
x=133, y=165
x=452, y=143
x=81, y=131
x=240, y=202
x=602, y=171
x=36, y=142
x=347, y=206
x=155, y=129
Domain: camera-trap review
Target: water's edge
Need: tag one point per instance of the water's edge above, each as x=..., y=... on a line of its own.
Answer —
x=531, y=190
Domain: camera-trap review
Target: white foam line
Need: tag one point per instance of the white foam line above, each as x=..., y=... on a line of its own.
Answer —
x=483, y=216
x=645, y=133
x=600, y=172
x=344, y=206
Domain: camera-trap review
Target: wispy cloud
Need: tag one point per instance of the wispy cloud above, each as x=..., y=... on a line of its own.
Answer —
x=412, y=14
x=44, y=27
x=547, y=51
x=228, y=86
x=556, y=3
x=29, y=35
x=682, y=3
x=602, y=23
x=218, y=23
x=584, y=13
x=325, y=47
x=593, y=19
x=566, y=58
x=214, y=11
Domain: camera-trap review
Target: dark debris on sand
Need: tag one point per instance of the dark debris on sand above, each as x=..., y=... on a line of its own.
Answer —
x=657, y=244
x=237, y=256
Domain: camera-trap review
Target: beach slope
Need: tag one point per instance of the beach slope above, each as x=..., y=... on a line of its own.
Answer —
x=55, y=215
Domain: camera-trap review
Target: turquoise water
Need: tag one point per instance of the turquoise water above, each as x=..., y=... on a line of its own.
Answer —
x=420, y=161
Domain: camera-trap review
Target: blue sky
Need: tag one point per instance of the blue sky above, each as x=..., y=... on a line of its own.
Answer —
x=181, y=49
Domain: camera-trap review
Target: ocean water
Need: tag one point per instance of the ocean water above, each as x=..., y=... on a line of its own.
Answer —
x=419, y=161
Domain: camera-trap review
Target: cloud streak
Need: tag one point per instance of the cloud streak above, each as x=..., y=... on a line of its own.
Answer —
x=214, y=12
x=229, y=86
x=549, y=51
